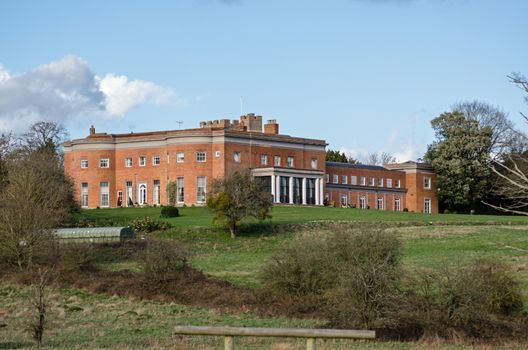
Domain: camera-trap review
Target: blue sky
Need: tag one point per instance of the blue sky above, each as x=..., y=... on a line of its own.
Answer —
x=365, y=75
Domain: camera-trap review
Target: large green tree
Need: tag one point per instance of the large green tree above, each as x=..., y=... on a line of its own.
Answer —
x=236, y=197
x=460, y=157
x=338, y=156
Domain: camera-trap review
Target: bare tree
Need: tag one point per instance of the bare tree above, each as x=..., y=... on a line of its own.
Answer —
x=380, y=158
x=40, y=301
x=45, y=135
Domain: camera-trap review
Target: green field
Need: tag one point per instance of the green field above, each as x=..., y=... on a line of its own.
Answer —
x=84, y=320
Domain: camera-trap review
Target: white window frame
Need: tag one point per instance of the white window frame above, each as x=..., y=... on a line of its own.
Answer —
x=142, y=193
x=129, y=193
x=397, y=204
x=105, y=162
x=427, y=205
x=380, y=182
x=154, y=162
x=427, y=183
x=180, y=195
x=353, y=180
x=84, y=163
x=201, y=157
x=344, y=200
x=371, y=181
x=290, y=162
x=201, y=195
x=263, y=159
x=142, y=161
x=180, y=157
x=398, y=183
x=335, y=179
x=84, y=195
x=327, y=178
x=362, y=181
x=104, y=193
x=236, y=156
x=378, y=201
x=362, y=202
x=128, y=162
x=344, y=179
x=120, y=197
x=156, y=192
x=314, y=163
x=389, y=183
x=277, y=161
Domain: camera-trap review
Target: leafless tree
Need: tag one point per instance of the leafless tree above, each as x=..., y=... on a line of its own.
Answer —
x=40, y=301
x=380, y=158
x=44, y=134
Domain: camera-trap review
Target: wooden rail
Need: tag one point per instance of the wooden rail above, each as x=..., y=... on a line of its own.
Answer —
x=310, y=334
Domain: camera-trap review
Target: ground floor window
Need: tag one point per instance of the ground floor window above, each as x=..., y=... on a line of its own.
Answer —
x=142, y=194
x=128, y=194
x=310, y=191
x=200, y=189
x=397, y=204
x=84, y=195
x=104, y=199
x=379, y=204
x=119, y=199
x=362, y=202
x=344, y=200
x=297, y=190
x=284, y=189
x=156, y=195
x=180, y=190
x=427, y=205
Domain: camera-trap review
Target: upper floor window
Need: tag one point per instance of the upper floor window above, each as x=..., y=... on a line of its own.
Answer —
x=336, y=179
x=180, y=157
x=290, y=162
x=427, y=183
x=200, y=157
x=128, y=162
x=362, y=181
x=344, y=179
x=264, y=159
x=353, y=180
x=371, y=181
x=314, y=163
x=389, y=183
x=327, y=178
x=84, y=163
x=398, y=184
x=156, y=160
x=380, y=182
x=277, y=161
x=236, y=157
x=104, y=163
x=142, y=161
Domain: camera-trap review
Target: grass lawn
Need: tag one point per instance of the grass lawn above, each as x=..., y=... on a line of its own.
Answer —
x=201, y=216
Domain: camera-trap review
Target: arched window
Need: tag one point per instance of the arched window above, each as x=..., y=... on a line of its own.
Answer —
x=142, y=194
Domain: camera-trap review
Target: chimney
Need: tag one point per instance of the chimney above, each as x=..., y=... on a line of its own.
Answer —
x=271, y=127
x=92, y=131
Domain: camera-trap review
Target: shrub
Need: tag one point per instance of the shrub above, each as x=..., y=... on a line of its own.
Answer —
x=162, y=258
x=405, y=210
x=147, y=225
x=169, y=211
x=76, y=257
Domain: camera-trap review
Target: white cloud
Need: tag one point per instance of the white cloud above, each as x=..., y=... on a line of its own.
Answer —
x=68, y=89
x=409, y=152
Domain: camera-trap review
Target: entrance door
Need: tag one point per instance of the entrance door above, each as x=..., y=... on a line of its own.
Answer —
x=142, y=194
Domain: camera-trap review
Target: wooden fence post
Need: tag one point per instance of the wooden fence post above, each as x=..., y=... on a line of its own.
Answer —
x=229, y=343
x=311, y=344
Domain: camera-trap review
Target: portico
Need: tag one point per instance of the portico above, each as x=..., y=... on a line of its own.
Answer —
x=292, y=186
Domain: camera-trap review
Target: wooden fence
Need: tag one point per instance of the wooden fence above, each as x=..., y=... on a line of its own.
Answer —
x=311, y=335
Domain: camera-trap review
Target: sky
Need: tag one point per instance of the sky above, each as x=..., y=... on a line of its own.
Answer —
x=365, y=75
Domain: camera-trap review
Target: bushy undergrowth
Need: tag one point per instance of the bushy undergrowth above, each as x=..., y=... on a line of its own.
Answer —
x=162, y=258
x=354, y=277
x=76, y=257
x=147, y=225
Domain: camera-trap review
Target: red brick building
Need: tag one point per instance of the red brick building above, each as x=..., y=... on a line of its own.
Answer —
x=111, y=170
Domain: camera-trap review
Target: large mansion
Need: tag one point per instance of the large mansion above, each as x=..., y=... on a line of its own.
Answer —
x=112, y=170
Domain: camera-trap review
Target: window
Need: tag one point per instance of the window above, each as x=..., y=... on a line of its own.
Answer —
x=119, y=199
x=84, y=195
x=217, y=154
x=398, y=184
x=128, y=162
x=180, y=157
x=104, y=195
x=379, y=204
x=263, y=159
x=344, y=179
x=344, y=200
x=290, y=162
x=200, y=157
x=397, y=204
x=200, y=189
x=327, y=178
x=362, y=181
x=362, y=202
x=427, y=206
x=427, y=183
x=380, y=182
x=156, y=199
x=277, y=161
x=84, y=163
x=180, y=190
x=142, y=194
x=128, y=194
x=156, y=160
x=336, y=179
x=104, y=163
x=314, y=163
x=371, y=181
x=389, y=183
x=353, y=180
x=142, y=161
x=236, y=157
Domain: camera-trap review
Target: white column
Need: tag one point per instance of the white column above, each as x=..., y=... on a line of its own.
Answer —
x=316, y=185
x=321, y=196
x=277, y=189
x=273, y=188
x=304, y=190
x=291, y=189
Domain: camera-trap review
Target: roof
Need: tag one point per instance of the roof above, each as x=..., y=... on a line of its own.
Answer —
x=357, y=166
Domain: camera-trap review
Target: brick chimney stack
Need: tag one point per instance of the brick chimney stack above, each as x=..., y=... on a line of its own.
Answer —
x=92, y=131
x=271, y=127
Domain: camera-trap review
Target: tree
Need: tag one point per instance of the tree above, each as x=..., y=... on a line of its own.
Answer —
x=380, y=158
x=460, y=158
x=44, y=135
x=512, y=168
x=486, y=115
x=236, y=197
x=340, y=157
